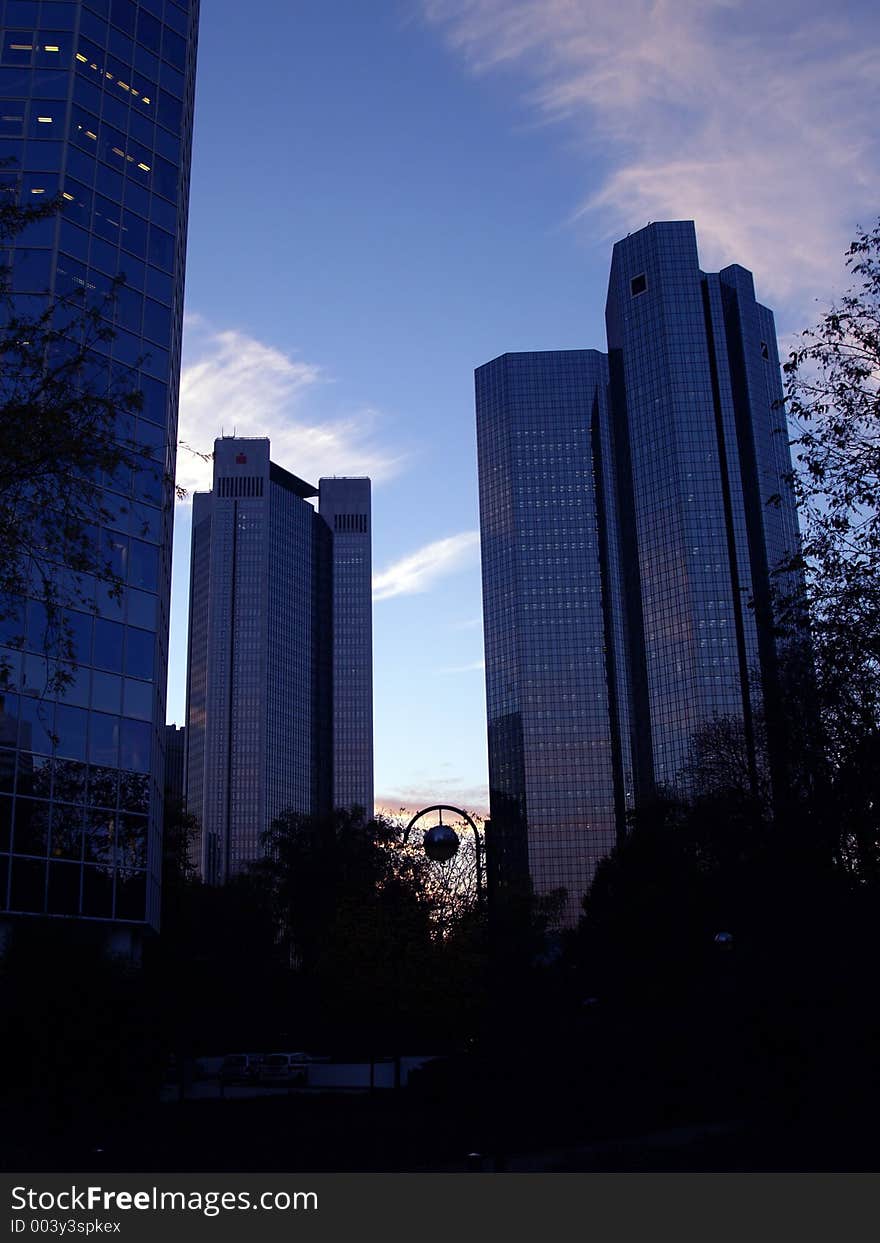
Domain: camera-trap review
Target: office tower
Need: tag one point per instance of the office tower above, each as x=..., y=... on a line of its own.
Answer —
x=707, y=511
x=630, y=509
x=344, y=504
x=268, y=690
x=98, y=104
x=557, y=800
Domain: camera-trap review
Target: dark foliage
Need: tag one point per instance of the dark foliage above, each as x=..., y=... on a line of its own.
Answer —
x=80, y=1035
x=354, y=914
x=833, y=398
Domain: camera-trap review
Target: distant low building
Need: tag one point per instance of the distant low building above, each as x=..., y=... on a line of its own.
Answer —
x=175, y=764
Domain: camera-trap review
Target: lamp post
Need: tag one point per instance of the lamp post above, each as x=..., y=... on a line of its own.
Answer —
x=441, y=841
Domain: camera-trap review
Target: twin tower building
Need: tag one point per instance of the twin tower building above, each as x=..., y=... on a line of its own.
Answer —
x=634, y=508
x=279, y=681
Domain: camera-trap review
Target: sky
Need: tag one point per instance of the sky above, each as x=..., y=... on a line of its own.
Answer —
x=386, y=195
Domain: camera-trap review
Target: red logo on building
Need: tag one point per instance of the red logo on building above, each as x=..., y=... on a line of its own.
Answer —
x=241, y=459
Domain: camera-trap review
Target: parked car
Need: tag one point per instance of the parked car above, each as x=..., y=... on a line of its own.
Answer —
x=283, y=1068
x=240, y=1067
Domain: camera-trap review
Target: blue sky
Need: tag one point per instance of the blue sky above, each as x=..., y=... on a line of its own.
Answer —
x=386, y=195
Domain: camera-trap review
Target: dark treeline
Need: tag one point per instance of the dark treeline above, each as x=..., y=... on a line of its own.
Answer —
x=724, y=965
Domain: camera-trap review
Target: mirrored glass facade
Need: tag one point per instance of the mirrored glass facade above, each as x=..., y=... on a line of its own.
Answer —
x=279, y=684
x=557, y=777
x=631, y=508
x=707, y=509
x=344, y=504
x=96, y=103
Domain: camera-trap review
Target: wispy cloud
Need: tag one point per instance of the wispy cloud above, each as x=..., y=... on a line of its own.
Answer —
x=468, y=623
x=471, y=667
x=760, y=122
x=232, y=382
x=418, y=571
x=448, y=790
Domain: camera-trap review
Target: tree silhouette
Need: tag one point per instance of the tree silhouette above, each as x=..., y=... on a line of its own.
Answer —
x=833, y=398
x=72, y=462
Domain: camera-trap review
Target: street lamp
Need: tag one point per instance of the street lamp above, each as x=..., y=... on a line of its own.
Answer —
x=441, y=841
x=441, y=844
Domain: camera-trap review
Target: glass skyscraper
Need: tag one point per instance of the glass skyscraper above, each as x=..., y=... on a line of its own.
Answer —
x=279, y=683
x=555, y=770
x=344, y=504
x=631, y=508
x=96, y=103
x=707, y=509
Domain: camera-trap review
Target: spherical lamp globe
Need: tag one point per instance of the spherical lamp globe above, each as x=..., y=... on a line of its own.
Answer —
x=441, y=843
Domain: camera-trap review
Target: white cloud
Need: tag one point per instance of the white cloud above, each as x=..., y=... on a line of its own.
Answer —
x=232, y=383
x=418, y=571
x=757, y=121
